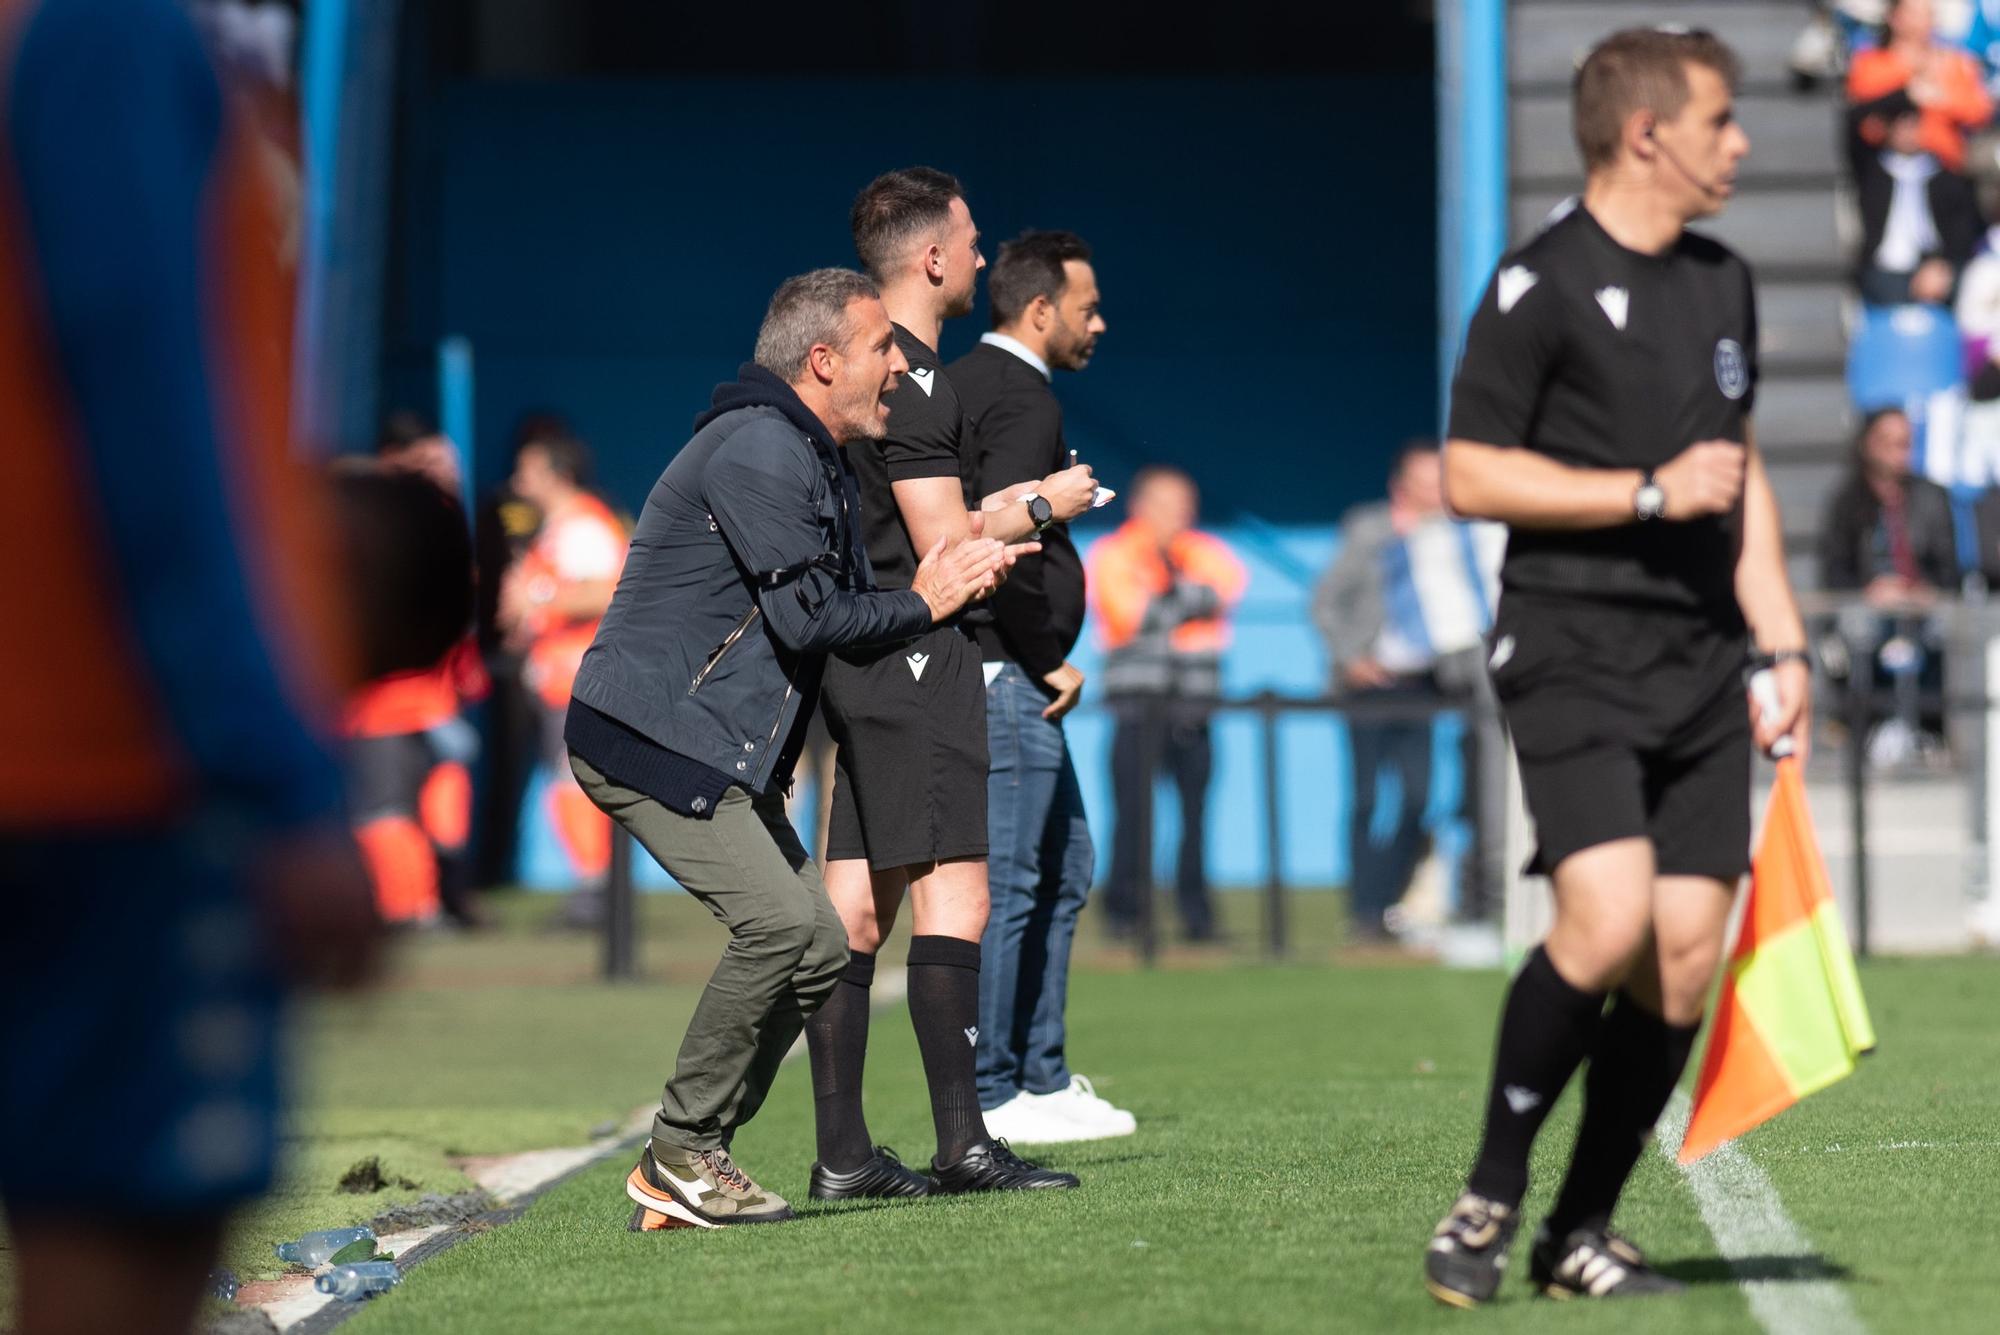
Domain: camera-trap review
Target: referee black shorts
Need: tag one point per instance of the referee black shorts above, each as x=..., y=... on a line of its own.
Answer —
x=910, y=765
x=1628, y=722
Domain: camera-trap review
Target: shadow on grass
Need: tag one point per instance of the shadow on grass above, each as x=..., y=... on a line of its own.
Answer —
x=1781, y=1269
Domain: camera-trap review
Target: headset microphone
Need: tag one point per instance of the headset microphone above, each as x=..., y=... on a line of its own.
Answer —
x=1706, y=187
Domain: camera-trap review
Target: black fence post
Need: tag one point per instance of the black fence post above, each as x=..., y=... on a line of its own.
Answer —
x=620, y=912
x=1858, y=701
x=1268, y=706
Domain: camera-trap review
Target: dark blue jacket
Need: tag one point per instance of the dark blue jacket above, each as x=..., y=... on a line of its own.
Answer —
x=746, y=570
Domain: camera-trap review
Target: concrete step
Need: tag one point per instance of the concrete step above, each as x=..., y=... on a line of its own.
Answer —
x=1786, y=227
x=1545, y=40
x=1803, y=322
x=1793, y=411
x=1792, y=138
x=1802, y=487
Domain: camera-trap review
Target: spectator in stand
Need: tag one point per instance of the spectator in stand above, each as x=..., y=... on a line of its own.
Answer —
x=550, y=603
x=1978, y=317
x=1162, y=592
x=1942, y=81
x=1920, y=221
x=1402, y=610
x=1888, y=536
x=409, y=748
x=1888, y=533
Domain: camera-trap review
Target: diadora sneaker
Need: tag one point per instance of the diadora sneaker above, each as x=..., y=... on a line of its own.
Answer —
x=1468, y=1252
x=1081, y=1104
x=1593, y=1263
x=883, y=1175
x=701, y=1187
x=991, y=1166
x=1031, y=1119
x=647, y=1220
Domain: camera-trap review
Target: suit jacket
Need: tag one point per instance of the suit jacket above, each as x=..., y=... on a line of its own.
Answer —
x=1848, y=545
x=1954, y=207
x=1014, y=434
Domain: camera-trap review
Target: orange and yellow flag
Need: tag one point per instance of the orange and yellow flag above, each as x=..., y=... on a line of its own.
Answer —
x=1791, y=1018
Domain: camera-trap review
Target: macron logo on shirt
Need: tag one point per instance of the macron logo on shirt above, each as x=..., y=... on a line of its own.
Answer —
x=1616, y=302
x=1513, y=285
x=920, y=376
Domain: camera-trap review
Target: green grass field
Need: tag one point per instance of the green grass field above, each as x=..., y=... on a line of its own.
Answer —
x=1301, y=1127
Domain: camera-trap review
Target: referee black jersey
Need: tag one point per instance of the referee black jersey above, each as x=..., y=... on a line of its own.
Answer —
x=1604, y=357
x=926, y=427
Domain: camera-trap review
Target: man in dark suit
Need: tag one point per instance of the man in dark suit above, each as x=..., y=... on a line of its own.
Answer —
x=1044, y=298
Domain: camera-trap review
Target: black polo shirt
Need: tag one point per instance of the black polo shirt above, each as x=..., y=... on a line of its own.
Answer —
x=1604, y=357
x=926, y=425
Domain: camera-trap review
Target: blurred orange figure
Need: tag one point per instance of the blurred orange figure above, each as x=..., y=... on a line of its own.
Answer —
x=409, y=748
x=550, y=603
x=173, y=855
x=1163, y=592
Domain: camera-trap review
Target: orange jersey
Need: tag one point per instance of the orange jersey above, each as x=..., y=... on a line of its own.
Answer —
x=584, y=543
x=146, y=349
x=1962, y=104
x=1128, y=570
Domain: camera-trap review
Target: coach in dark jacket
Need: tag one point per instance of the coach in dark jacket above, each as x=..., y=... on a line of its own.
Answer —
x=1920, y=223
x=1043, y=292
x=746, y=570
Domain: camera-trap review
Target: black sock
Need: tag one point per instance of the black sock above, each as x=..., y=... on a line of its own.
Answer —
x=837, y=1041
x=1637, y=1062
x=944, y=1010
x=1546, y=1029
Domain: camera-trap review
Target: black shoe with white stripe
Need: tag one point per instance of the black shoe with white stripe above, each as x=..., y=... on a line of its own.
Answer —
x=1468, y=1252
x=1594, y=1263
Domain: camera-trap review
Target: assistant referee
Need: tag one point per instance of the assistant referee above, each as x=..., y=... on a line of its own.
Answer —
x=1602, y=411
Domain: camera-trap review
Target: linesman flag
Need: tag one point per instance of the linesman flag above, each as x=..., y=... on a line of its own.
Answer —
x=1791, y=1019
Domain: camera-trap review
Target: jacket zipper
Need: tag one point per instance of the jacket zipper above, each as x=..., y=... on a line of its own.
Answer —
x=724, y=648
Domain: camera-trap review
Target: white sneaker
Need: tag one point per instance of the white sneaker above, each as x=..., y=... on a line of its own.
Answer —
x=1081, y=1105
x=1029, y=1119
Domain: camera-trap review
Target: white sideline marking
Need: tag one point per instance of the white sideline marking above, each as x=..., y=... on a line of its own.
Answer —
x=1742, y=1211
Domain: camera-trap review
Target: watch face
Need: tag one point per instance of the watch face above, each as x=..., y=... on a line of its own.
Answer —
x=1040, y=510
x=1651, y=502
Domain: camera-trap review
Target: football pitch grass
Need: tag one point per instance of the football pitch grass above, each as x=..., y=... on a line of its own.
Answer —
x=1301, y=1128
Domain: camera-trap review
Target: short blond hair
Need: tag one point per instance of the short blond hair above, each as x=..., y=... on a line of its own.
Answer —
x=1639, y=69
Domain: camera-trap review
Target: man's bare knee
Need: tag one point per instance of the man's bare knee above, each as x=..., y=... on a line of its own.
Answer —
x=851, y=889
x=950, y=899
x=1603, y=914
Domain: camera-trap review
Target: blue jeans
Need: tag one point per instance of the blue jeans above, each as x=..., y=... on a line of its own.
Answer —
x=1039, y=867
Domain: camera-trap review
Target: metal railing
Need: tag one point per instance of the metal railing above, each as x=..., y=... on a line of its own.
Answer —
x=1969, y=633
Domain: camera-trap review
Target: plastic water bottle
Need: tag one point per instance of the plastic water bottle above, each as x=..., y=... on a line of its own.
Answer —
x=363, y=1279
x=318, y=1248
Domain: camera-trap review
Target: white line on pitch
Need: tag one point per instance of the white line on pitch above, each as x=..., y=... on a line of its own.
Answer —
x=1747, y=1220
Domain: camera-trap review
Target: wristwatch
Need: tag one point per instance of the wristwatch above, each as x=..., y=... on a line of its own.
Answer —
x=1649, y=502
x=1040, y=511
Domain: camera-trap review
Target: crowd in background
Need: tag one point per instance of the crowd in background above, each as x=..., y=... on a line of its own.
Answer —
x=1914, y=519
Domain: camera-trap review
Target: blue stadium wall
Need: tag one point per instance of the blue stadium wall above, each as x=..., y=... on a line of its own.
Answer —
x=1266, y=249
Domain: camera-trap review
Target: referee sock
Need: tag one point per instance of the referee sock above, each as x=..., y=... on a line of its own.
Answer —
x=837, y=1041
x=1638, y=1061
x=1546, y=1029
x=944, y=1010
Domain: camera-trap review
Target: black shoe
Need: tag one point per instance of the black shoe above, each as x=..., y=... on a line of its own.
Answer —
x=1594, y=1263
x=991, y=1166
x=882, y=1175
x=1468, y=1252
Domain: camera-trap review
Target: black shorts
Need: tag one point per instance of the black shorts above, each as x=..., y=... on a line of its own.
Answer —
x=1628, y=722
x=910, y=765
